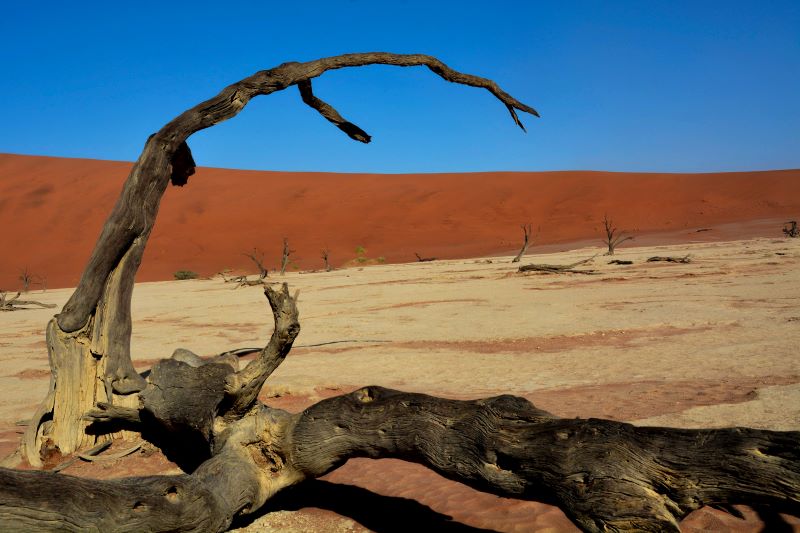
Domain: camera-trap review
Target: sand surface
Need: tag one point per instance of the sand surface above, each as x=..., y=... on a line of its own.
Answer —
x=52, y=209
x=712, y=343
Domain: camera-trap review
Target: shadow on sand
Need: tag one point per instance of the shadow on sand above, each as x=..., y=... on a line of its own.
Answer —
x=382, y=514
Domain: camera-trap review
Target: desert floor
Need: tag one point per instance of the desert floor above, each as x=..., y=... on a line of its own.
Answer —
x=711, y=343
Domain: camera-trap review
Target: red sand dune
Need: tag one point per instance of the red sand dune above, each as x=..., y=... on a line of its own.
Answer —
x=51, y=211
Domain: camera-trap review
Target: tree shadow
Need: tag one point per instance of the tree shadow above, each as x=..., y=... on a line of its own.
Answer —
x=382, y=514
x=774, y=522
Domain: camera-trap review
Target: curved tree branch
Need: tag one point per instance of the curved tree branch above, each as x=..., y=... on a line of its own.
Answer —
x=93, y=330
x=132, y=218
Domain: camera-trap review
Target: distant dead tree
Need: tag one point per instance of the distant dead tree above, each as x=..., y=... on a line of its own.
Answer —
x=257, y=256
x=790, y=229
x=421, y=259
x=526, y=230
x=26, y=278
x=614, y=237
x=325, y=254
x=285, y=255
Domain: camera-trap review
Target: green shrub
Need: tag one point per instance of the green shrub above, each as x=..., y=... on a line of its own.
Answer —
x=185, y=274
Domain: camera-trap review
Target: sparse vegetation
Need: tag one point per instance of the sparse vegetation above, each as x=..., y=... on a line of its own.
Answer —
x=185, y=274
x=790, y=229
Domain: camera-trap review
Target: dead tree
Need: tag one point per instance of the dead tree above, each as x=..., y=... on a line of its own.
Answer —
x=26, y=278
x=613, y=237
x=669, y=259
x=421, y=259
x=559, y=269
x=285, y=255
x=790, y=229
x=237, y=453
x=257, y=257
x=526, y=230
x=13, y=303
x=325, y=253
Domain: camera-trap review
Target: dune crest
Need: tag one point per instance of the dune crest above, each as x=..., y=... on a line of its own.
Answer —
x=52, y=209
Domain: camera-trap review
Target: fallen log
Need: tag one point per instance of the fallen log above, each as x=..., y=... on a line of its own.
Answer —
x=559, y=269
x=669, y=259
x=15, y=304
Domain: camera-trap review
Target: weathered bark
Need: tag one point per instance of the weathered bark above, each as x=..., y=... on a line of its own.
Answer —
x=421, y=259
x=613, y=237
x=526, y=230
x=559, y=269
x=93, y=330
x=605, y=475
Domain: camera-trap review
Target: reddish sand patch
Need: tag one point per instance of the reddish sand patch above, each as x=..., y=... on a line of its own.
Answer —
x=32, y=373
x=206, y=225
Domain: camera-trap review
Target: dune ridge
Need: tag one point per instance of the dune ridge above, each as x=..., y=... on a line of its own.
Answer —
x=52, y=209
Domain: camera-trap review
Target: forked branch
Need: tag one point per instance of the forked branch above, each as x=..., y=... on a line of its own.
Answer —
x=167, y=156
x=243, y=386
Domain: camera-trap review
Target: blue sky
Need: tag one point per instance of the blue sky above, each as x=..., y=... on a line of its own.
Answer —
x=629, y=86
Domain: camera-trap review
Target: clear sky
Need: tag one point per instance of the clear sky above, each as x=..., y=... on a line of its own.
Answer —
x=667, y=86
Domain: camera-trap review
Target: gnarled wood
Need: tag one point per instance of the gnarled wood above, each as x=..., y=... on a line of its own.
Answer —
x=238, y=453
x=605, y=475
x=95, y=321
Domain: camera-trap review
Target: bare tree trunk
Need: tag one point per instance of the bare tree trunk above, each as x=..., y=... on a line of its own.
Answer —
x=285, y=255
x=613, y=236
x=526, y=230
x=325, y=259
